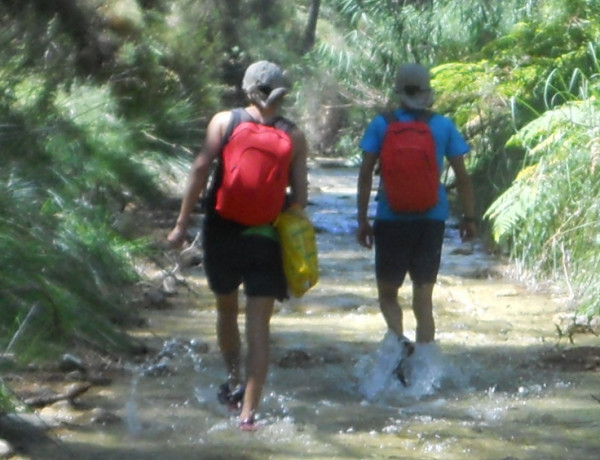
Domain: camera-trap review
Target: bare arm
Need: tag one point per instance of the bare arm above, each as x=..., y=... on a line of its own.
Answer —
x=298, y=170
x=364, y=233
x=468, y=228
x=198, y=176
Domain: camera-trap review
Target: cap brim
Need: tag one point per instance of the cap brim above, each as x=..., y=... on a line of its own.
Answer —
x=276, y=94
x=421, y=101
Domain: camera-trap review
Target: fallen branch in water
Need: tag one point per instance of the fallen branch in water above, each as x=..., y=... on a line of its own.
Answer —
x=69, y=394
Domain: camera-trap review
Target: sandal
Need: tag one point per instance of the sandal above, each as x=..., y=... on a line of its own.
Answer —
x=400, y=371
x=232, y=398
x=248, y=424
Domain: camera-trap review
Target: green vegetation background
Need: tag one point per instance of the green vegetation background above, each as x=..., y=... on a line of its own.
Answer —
x=102, y=101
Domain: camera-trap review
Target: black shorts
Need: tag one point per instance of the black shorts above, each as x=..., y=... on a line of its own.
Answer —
x=233, y=257
x=412, y=247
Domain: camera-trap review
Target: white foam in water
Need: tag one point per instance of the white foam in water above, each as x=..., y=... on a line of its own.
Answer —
x=134, y=426
x=375, y=372
x=427, y=371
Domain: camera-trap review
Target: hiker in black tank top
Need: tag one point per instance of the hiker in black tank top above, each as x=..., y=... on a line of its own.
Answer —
x=236, y=253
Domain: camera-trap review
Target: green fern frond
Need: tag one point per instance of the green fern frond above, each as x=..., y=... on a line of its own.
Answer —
x=514, y=205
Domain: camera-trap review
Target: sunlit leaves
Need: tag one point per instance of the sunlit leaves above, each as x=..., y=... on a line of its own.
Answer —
x=550, y=214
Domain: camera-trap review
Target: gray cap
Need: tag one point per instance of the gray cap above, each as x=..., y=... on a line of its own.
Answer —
x=264, y=83
x=413, y=86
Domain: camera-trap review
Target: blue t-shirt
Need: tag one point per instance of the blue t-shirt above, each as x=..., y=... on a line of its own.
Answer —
x=448, y=143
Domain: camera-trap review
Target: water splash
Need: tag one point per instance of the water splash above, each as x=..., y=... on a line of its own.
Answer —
x=175, y=355
x=132, y=421
x=375, y=372
x=427, y=372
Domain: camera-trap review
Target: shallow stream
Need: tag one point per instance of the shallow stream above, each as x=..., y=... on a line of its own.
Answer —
x=482, y=391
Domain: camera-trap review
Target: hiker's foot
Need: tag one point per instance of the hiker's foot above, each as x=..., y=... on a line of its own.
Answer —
x=248, y=424
x=232, y=398
x=407, y=349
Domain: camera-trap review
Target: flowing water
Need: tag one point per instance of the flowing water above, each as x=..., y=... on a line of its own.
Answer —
x=482, y=391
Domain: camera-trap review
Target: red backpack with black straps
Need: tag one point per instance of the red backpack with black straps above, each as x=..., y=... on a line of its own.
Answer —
x=409, y=165
x=255, y=169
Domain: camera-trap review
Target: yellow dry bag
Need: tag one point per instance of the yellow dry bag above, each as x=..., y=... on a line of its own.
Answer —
x=299, y=249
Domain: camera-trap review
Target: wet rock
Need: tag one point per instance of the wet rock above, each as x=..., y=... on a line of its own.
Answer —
x=7, y=362
x=58, y=414
x=169, y=285
x=6, y=449
x=199, y=347
x=160, y=369
x=172, y=352
x=101, y=416
x=173, y=348
x=190, y=257
x=22, y=430
x=464, y=250
x=295, y=358
x=69, y=363
x=298, y=358
x=507, y=293
x=330, y=355
x=591, y=363
x=576, y=359
x=482, y=273
x=568, y=325
x=100, y=380
x=76, y=376
x=155, y=298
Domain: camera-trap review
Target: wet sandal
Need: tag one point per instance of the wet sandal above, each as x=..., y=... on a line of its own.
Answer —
x=232, y=398
x=248, y=424
x=400, y=371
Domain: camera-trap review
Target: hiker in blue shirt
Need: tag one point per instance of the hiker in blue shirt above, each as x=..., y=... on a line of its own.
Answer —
x=241, y=252
x=411, y=242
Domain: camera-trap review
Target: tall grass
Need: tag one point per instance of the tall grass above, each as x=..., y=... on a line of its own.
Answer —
x=551, y=213
x=68, y=164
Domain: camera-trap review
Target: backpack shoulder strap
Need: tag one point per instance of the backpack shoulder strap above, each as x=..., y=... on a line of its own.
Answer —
x=422, y=115
x=238, y=116
x=389, y=117
x=283, y=124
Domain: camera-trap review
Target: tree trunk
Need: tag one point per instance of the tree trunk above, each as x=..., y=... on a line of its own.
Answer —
x=311, y=26
x=265, y=13
x=92, y=50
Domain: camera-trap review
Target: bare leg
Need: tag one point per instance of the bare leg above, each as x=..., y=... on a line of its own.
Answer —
x=228, y=335
x=423, y=310
x=258, y=317
x=388, y=303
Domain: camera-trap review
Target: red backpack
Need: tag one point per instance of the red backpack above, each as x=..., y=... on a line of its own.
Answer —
x=409, y=165
x=255, y=170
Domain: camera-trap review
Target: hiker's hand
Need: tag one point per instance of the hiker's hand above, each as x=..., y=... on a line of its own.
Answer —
x=176, y=237
x=364, y=234
x=467, y=230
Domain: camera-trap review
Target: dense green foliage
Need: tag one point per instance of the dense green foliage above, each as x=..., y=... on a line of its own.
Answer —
x=97, y=100
x=520, y=78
